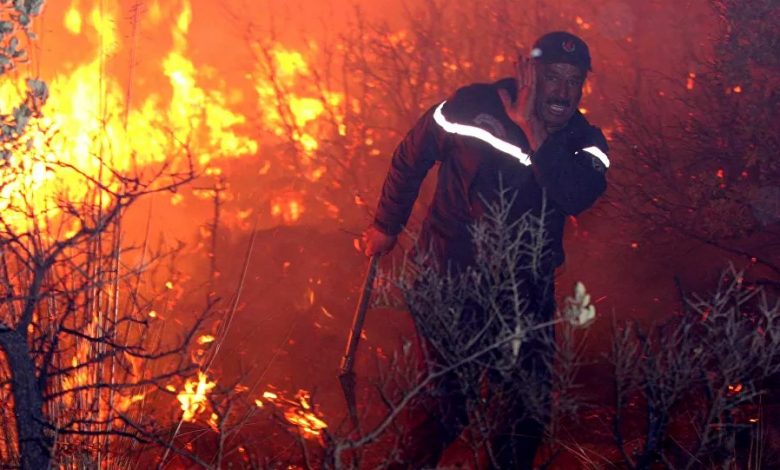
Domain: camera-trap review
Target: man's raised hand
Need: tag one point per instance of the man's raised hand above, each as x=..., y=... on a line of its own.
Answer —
x=522, y=111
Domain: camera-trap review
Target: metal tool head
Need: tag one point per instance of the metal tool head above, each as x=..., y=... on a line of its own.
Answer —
x=347, y=375
x=348, y=380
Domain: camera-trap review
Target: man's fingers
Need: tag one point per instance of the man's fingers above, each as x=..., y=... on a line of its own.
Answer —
x=526, y=72
x=505, y=100
x=529, y=112
x=375, y=242
x=368, y=244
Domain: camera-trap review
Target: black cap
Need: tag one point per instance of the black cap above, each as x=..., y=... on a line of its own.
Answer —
x=561, y=47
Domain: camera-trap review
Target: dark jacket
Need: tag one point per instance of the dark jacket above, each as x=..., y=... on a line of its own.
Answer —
x=477, y=143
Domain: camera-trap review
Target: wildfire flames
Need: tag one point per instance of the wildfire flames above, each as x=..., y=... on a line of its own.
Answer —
x=91, y=122
x=298, y=412
x=90, y=125
x=121, y=94
x=97, y=123
x=193, y=398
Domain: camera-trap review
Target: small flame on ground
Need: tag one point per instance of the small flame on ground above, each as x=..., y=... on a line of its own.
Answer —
x=193, y=398
x=206, y=339
x=298, y=412
x=303, y=416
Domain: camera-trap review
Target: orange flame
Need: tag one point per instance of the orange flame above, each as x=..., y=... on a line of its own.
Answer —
x=691, y=81
x=304, y=417
x=582, y=23
x=735, y=388
x=89, y=122
x=123, y=403
x=289, y=208
x=298, y=412
x=193, y=398
x=89, y=126
x=206, y=339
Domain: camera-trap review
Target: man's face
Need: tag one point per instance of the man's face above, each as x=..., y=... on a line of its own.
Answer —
x=558, y=93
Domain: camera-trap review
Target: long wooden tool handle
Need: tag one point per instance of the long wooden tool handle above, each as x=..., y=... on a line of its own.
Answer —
x=348, y=361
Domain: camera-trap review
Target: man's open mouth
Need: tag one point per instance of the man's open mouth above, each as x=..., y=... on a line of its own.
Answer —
x=557, y=108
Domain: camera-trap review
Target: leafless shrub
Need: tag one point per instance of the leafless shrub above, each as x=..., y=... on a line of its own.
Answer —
x=487, y=331
x=694, y=382
x=84, y=360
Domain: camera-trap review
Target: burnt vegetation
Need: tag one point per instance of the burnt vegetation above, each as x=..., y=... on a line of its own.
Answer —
x=121, y=347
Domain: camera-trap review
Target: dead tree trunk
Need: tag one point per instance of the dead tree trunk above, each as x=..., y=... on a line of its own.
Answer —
x=34, y=445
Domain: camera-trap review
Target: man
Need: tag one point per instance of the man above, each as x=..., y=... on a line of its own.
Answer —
x=524, y=133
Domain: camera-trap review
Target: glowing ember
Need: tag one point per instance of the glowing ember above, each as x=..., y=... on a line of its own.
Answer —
x=289, y=208
x=691, y=81
x=326, y=312
x=735, y=388
x=303, y=416
x=214, y=422
x=582, y=23
x=124, y=403
x=298, y=412
x=206, y=339
x=307, y=422
x=193, y=398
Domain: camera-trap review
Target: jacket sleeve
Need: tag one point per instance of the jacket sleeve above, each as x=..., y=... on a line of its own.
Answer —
x=571, y=166
x=412, y=159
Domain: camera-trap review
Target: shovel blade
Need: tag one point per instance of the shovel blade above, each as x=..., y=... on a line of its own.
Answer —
x=347, y=380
